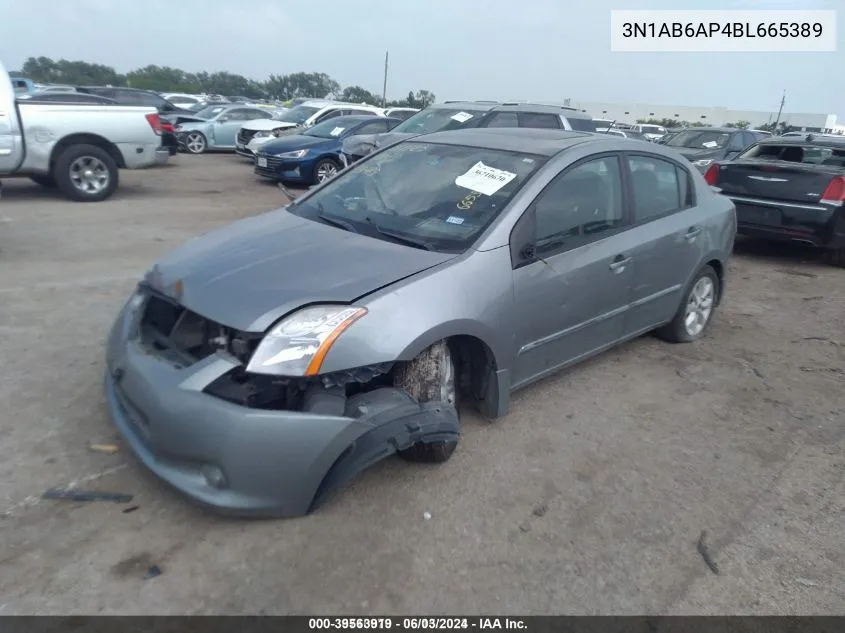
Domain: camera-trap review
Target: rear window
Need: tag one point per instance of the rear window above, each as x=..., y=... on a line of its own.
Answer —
x=582, y=125
x=810, y=154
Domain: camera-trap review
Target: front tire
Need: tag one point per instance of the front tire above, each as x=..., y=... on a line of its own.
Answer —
x=324, y=170
x=430, y=377
x=696, y=310
x=196, y=143
x=85, y=173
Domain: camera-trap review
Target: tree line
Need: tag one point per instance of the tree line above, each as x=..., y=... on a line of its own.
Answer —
x=168, y=79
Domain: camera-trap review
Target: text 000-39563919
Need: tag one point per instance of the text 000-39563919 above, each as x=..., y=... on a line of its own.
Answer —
x=723, y=31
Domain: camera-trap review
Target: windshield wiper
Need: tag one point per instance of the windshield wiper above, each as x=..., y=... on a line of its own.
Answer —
x=402, y=237
x=335, y=221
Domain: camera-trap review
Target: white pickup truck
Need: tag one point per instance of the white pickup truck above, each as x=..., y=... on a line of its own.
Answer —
x=76, y=148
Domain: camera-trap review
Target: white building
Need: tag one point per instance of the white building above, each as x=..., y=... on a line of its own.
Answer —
x=716, y=116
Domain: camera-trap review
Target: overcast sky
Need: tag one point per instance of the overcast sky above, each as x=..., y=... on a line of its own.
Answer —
x=491, y=49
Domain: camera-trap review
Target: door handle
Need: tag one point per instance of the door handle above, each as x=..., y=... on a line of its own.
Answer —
x=618, y=264
x=692, y=234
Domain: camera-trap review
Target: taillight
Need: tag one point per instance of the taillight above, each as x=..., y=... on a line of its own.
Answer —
x=834, y=193
x=167, y=127
x=155, y=122
x=712, y=174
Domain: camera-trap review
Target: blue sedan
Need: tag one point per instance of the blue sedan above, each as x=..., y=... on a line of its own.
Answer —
x=314, y=156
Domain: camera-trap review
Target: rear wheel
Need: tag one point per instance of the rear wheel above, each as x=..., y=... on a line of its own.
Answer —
x=44, y=180
x=696, y=309
x=430, y=377
x=85, y=173
x=196, y=143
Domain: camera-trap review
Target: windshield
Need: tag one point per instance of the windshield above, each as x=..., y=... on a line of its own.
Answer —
x=437, y=197
x=699, y=139
x=439, y=119
x=298, y=114
x=652, y=129
x=332, y=128
x=210, y=111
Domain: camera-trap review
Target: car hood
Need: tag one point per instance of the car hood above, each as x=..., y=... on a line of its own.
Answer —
x=187, y=126
x=266, y=124
x=181, y=119
x=249, y=274
x=295, y=142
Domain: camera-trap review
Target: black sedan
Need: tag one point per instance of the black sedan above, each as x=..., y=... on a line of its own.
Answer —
x=791, y=190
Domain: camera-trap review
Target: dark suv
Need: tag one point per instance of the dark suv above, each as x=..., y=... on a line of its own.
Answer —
x=136, y=97
x=703, y=145
x=538, y=115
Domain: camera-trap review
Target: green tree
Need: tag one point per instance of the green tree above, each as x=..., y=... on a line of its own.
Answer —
x=315, y=85
x=411, y=101
x=63, y=71
x=357, y=94
x=424, y=98
x=661, y=122
x=742, y=125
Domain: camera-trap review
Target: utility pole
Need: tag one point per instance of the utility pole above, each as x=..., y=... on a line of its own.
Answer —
x=780, y=110
x=384, y=90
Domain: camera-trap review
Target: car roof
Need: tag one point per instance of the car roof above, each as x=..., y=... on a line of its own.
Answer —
x=538, y=141
x=712, y=129
x=325, y=103
x=452, y=105
x=544, y=108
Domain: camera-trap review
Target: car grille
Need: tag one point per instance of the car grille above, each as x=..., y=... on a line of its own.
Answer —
x=245, y=136
x=184, y=337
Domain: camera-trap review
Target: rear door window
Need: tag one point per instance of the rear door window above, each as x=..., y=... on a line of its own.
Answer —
x=659, y=186
x=539, y=120
x=502, y=119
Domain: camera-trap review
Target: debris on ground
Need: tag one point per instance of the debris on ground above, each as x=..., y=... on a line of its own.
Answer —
x=705, y=553
x=86, y=495
x=130, y=509
x=152, y=572
x=806, y=582
x=427, y=516
x=104, y=448
x=540, y=510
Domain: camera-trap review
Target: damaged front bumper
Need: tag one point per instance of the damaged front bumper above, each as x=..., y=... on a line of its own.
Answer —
x=253, y=461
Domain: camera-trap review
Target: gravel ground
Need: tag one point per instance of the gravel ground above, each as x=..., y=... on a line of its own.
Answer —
x=589, y=498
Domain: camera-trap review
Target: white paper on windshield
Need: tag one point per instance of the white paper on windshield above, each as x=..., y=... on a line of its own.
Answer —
x=710, y=144
x=462, y=117
x=337, y=131
x=484, y=179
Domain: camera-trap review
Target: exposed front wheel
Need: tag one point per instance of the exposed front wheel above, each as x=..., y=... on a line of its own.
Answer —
x=430, y=377
x=85, y=173
x=325, y=170
x=196, y=143
x=696, y=309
